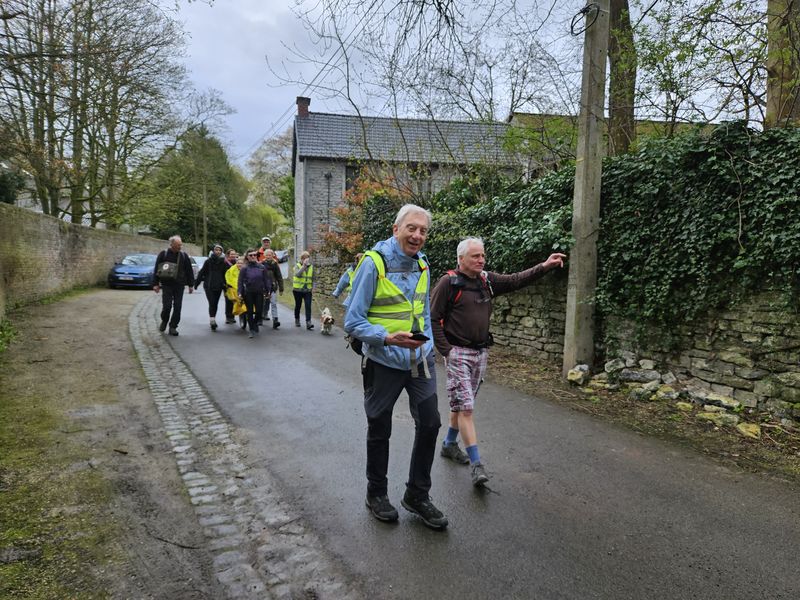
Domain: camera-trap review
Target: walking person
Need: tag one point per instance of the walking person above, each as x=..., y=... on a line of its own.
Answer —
x=255, y=282
x=266, y=244
x=271, y=262
x=212, y=276
x=461, y=306
x=389, y=311
x=302, y=286
x=173, y=272
x=232, y=280
x=230, y=260
x=346, y=280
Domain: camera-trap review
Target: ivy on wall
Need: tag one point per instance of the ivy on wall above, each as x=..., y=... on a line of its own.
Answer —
x=687, y=223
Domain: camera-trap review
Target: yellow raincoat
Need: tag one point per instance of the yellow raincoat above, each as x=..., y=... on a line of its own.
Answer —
x=232, y=279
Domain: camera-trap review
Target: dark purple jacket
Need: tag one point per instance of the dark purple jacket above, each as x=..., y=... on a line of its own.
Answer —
x=254, y=278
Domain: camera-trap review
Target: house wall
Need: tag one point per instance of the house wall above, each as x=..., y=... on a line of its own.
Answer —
x=41, y=255
x=315, y=198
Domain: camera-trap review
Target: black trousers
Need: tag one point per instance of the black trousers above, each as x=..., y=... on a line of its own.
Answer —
x=171, y=302
x=213, y=302
x=382, y=387
x=301, y=296
x=228, y=309
x=254, y=301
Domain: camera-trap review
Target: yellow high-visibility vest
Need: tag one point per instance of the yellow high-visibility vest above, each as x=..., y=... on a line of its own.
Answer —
x=390, y=308
x=302, y=282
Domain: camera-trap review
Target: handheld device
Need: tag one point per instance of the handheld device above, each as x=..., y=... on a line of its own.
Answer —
x=421, y=337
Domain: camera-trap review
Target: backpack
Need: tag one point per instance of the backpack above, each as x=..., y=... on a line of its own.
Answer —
x=457, y=286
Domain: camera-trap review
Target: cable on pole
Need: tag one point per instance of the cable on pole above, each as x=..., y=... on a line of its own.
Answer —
x=593, y=8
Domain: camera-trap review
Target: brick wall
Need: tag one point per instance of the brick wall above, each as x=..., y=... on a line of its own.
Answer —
x=41, y=255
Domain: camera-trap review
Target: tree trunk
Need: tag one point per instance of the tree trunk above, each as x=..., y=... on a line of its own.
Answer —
x=622, y=81
x=783, y=63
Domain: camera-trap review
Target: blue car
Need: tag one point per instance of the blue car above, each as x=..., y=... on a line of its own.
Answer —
x=135, y=270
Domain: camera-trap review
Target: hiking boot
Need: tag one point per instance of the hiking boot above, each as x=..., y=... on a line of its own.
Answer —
x=213, y=324
x=275, y=323
x=162, y=326
x=309, y=325
x=381, y=508
x=173, y=331
x=424, y=508
x=479, y=476
x=297, y=322
x=230, y=321
x=455, y=453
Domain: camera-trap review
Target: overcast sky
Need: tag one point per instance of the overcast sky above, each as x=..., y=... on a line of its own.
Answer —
x=227, y=45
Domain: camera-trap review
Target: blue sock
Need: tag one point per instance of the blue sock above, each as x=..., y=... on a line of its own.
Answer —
x=452, y=436
x=472, y=451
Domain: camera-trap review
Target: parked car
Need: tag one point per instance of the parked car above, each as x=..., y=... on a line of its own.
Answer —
x=283, y=255
x=197, y=261
x=135, y=270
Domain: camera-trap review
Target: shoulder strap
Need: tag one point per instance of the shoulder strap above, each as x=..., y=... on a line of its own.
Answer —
x=379, y=265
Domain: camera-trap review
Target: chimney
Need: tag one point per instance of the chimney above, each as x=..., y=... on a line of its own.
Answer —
x=302, y=106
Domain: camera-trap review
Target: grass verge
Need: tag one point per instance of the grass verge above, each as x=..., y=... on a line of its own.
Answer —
x=51, y=497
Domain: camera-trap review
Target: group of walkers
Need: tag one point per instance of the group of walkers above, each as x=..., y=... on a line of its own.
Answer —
x=250, y=285
x=397, y=321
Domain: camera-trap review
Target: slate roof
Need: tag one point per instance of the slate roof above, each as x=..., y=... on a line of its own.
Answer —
x=350, y=137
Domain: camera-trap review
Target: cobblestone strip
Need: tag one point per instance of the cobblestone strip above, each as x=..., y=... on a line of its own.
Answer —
x=260, y=546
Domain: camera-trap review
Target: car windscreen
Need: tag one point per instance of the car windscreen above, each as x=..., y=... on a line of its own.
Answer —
x=139, y=259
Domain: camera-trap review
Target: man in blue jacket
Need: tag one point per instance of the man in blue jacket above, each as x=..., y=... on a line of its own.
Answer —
x=389, y=310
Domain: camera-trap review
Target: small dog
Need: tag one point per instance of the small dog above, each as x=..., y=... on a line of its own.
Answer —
x=327, y=321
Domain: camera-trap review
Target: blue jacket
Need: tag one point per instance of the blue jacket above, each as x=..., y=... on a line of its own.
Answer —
x=344, y=281
x=404, y=272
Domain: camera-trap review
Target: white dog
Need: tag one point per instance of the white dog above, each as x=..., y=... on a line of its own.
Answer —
x=327, y=321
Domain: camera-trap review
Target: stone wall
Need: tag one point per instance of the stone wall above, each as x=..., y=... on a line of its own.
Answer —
x=750, y=353
x=41, y=255
x=531, y=320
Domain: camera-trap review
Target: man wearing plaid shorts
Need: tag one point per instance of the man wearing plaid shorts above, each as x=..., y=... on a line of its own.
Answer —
x=461, y=306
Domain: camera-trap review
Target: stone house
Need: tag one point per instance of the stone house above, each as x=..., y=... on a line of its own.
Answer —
x=421, y=156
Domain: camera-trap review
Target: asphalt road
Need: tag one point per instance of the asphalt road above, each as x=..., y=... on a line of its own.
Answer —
x=576, y=508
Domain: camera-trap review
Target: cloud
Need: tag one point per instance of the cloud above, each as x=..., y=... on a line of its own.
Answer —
x=226, y=48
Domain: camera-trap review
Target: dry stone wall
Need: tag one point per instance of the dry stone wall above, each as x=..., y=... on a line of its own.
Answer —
x=41, y=255
x=749, y=353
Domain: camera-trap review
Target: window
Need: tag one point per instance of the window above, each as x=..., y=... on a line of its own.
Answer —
x=351, y=173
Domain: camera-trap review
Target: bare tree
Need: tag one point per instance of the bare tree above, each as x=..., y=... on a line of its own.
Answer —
x=87, y=86
x=269, y=164
x=783, y=63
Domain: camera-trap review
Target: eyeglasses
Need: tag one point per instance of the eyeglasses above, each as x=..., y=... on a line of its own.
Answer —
x=251, y=254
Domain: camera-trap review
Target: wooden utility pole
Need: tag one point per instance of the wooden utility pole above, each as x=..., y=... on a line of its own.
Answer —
x=205, y=220
x=580, y=325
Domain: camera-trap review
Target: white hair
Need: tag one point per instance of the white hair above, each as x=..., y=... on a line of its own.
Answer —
x=173, y=238
x=406, y=209
x=464, y=244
